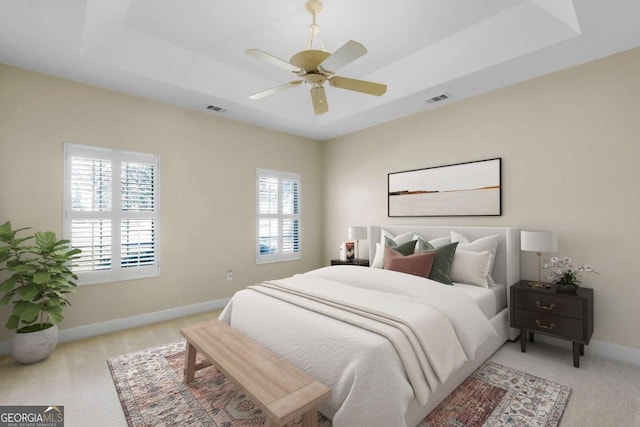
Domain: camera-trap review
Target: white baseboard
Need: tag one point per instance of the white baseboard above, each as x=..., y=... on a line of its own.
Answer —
x=606, y=350
x=114, y=325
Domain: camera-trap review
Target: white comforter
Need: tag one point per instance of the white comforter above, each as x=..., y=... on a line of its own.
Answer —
x=371, y=376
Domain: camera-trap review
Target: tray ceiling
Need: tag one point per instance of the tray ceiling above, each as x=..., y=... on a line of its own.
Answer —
x=191, y=52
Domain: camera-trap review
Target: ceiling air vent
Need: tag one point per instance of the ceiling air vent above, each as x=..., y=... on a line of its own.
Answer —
x=216, y=108
x=439, y=98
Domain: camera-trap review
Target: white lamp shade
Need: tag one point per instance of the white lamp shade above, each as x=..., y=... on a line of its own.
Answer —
x=357, y=233
x=539, y=241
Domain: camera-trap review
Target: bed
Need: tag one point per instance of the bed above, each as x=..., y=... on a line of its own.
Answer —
x=383, y=368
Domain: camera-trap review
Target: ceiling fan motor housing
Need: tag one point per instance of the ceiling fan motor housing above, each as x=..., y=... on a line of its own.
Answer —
x=313, y=79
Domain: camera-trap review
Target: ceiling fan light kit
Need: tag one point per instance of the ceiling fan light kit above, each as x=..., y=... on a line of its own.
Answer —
x=315, y=67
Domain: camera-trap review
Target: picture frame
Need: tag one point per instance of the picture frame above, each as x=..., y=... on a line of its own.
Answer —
x=350, y=250
x=347, y=251
x=460, y=189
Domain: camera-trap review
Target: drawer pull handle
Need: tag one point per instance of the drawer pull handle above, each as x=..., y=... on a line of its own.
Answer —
x=543, y=326
x=546, y=307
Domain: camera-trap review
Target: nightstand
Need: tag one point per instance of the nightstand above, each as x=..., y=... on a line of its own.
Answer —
x=560, y=315
x=359, y=262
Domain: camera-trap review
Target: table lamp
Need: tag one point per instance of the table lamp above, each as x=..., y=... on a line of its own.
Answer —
x=539, y=241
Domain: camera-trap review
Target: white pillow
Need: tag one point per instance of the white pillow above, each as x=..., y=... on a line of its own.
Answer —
x=488, y=243
x=471, y=267
x=378, y=259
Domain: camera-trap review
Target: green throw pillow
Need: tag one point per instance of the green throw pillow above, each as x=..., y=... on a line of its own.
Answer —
x=442, y=262
x=405, y=248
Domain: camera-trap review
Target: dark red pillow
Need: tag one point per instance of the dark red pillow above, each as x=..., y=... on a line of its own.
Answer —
x=416, y=264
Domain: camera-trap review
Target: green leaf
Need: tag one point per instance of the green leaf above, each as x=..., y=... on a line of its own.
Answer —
x=27, y=293
x=73, y=252
x=55, y=316
x=24, y=268
x=28, y=319
x=62, y=283
x=46, y=240
x=6, y=233
x=8, y=284
x=30, y=315
x=12, y=322
x=41, y=278
x=6, y=298
x=26, y=309
x=53, y=301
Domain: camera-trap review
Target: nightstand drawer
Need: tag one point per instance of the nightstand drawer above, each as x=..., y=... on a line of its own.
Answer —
x=572, y=329
x=549, y=304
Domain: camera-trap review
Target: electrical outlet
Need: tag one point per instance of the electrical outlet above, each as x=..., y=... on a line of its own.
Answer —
x=229, y=275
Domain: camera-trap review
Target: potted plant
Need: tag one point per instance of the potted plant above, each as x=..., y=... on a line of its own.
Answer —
x=564, y=275
x=35, y=278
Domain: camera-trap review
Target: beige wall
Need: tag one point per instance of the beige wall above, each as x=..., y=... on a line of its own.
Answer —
x=208, y=189
x=570, y=147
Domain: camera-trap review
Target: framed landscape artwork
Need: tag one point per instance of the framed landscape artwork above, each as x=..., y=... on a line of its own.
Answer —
x=462, y=189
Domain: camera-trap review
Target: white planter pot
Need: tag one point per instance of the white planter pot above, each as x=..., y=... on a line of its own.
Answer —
x=33, y=347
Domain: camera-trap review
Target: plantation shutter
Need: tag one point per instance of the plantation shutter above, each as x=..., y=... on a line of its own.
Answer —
x=111, y=212
x=290, y=217
x=139, y=215
x=278, y=216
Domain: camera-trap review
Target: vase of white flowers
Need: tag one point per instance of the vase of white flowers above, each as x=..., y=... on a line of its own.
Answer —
x=564, y=275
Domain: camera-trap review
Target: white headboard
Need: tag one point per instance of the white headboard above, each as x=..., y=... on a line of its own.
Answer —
x=506, y=268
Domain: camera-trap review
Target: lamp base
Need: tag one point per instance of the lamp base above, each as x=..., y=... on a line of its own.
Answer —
x=539, y=285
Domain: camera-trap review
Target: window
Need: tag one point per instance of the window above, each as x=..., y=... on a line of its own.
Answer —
x=111, y=212
x=278, y=216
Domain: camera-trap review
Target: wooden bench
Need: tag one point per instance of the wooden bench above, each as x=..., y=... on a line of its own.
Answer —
x=282, y=391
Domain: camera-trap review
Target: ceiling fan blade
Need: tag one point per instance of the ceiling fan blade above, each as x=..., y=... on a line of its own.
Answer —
x=274, y=90
x=349, y=52
x=371, y=88
x=257, y=53
x=319, y=100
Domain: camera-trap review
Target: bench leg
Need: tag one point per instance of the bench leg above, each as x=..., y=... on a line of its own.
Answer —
x=190, y=363
x=310, y=419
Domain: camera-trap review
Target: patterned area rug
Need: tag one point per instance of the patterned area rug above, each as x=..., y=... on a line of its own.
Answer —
x=149, y=384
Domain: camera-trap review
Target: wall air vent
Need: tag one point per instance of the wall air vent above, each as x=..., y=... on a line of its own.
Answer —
x=216, y=108
x=439, y=98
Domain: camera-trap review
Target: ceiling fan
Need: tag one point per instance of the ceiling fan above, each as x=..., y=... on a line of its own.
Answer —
x=315, y=67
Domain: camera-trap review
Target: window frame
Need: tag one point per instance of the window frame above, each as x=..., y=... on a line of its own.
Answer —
x=116, y=272
x=280, y=216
